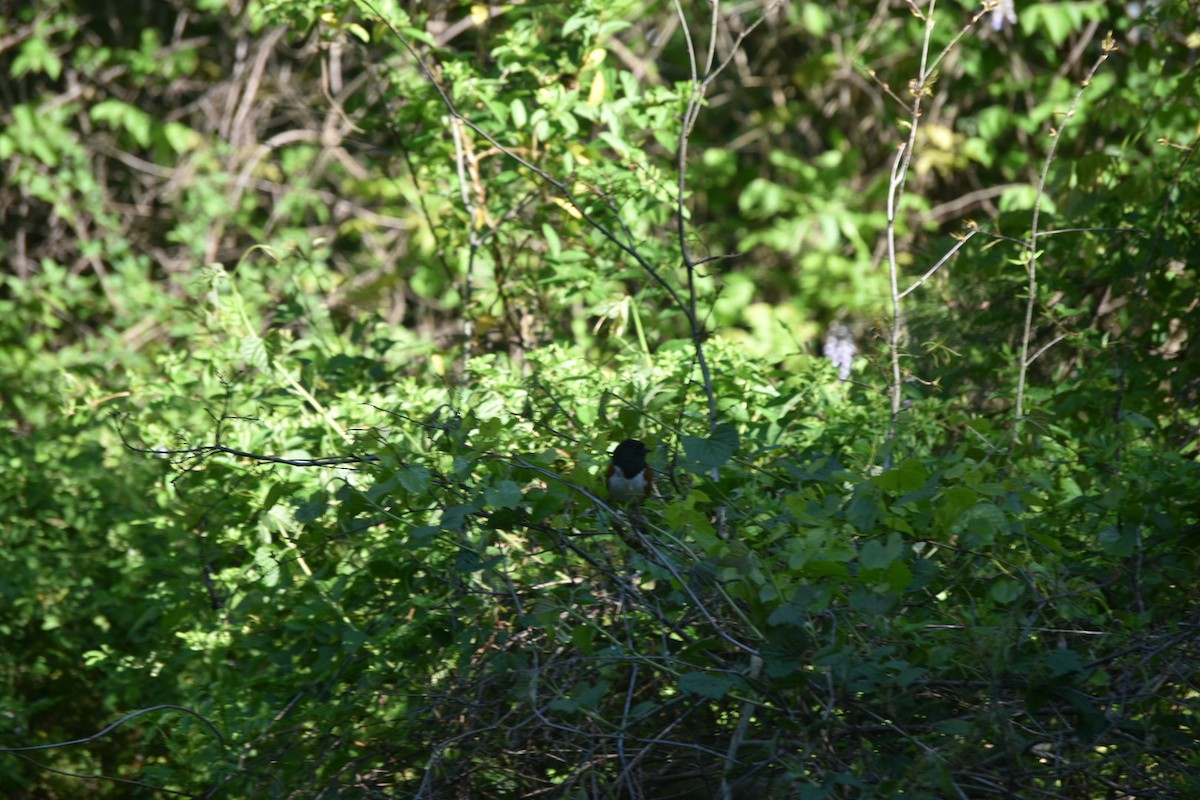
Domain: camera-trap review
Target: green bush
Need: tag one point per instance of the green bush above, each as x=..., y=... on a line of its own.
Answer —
x=320, y=321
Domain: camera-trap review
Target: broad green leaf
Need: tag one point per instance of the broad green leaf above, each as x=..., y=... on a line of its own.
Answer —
x=505, y=494
x=1006, y=590
x=878, y=555
x=713, y=451
x=706, y=684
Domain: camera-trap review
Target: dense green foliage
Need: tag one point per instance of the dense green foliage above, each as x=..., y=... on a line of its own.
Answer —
x=318, y=320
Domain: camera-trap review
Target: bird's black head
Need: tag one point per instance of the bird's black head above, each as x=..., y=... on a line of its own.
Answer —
x=630, y=456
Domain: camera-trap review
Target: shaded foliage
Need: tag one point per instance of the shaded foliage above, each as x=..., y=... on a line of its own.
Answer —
x=319, y=321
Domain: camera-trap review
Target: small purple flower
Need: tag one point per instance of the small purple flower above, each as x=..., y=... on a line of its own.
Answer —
x=840, y=349
x=1005, y=11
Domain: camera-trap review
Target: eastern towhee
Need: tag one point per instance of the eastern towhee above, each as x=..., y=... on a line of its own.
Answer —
x=628, y=473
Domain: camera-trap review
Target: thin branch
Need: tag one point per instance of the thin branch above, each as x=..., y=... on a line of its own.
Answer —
x=1044, y=348
x=1107, y=47
x=690, y=115
x=473, y=217
x=949, y=254
x=97, y=777
x=920, y=87
x=210, y=449
x=117, y=724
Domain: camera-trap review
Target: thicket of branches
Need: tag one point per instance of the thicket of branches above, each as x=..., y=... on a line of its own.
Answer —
x=321, y=319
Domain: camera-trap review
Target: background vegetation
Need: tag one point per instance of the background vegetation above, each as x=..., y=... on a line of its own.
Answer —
x=318, y=320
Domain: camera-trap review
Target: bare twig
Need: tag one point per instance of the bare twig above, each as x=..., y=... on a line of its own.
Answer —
x=117, y=724
x=20, y=751
x=214, y=449
x=1031, y=252
x=895, y=192
x=929, y=273
x=473, y=218
x=920, y=87
x=691, y=114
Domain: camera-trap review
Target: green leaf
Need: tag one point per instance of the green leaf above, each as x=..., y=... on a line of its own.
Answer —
x=467, y=561
x=312, y=509
x=982, y=522
x=863, y=511
x=119, y=114
x=814, y=18
x=413, y=479
x=36, y=55
x=553, y=243
x=456, y=516
x=953, y=503
x=1118, y=542
x=712, y=452
x=1064, y=662
x=180, y=137
x=1022, y=198
x=877, y=555
x=254, y=352
x=706, y=684
x=1006, y=590
x=788, y=614
x=577, y=21
x=898, y=577
x=907, y=476
x=505, y=494
x=583, y=638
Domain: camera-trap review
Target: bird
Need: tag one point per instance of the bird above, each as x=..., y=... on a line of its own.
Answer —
x=628, y=473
